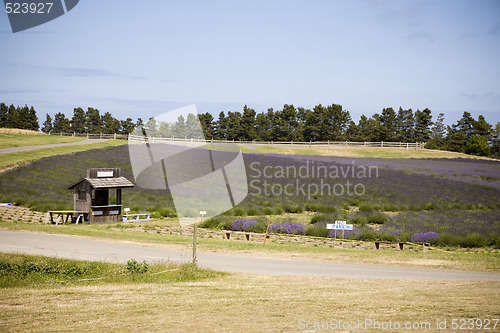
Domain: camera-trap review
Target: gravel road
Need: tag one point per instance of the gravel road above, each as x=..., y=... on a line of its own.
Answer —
x=120, y=252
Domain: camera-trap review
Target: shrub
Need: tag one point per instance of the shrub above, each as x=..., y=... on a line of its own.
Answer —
x=317, y=231
x=377, y=218
x=293, y=208
x=424, y=237
x=252, y=211
x=320, y=217
x=365, y=207
x=478, y=145
x=473, y=240
x=133, y=266
x=360, y=220
x=267, y=211
x=288, y=228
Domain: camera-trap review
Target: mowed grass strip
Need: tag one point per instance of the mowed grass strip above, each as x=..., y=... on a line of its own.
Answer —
x=486, y=262
x=17, y=270
x=245, y=303
x=14, y=159
x=20, y=140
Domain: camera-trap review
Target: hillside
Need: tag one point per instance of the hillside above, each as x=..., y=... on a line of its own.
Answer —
x=458, y=196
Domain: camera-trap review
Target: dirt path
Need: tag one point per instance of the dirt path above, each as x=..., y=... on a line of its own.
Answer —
x=26, y=148
x=87, y=249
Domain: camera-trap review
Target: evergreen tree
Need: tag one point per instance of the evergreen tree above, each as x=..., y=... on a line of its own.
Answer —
x=353, y=132
x=61, y=123
x=110, y=124
x=221, y=127
x=179, y=129
x=465, y=124
x=34, y=126
x=482, y=128
x=263, y=125
x=423, y=122
x=386, y=125
x=151, y=127
x=12, y=117
x=93, y=121
x=456, y=139
x=207, y=123
x=165, y=130
x=126, y=126
x=4, y=113
x=193, y=127
x=248, y=129
x=405, y=125
x=47, y=125
x=439, y=129
x=233, y=121
x=78, y=120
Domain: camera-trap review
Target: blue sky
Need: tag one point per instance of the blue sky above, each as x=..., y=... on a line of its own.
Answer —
x=143, y=58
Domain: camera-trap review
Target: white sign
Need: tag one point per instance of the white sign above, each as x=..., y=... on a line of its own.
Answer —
x=340, y=222
x=339, y=226
x=202, y=212
x=104, y=174
x=5, y=204
x=126, y=210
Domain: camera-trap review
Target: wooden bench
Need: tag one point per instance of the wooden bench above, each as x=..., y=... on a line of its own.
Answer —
x=399, y=245
x=136, y=217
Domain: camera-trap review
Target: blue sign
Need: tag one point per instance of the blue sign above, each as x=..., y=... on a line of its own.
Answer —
x=339, y=226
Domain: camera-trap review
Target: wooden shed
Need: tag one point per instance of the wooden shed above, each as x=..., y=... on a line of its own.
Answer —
x=94, y=194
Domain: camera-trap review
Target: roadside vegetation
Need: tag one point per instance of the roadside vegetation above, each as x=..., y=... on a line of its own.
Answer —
x=18, y=270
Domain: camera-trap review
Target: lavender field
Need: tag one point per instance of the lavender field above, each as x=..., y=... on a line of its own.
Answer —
x=449, y=196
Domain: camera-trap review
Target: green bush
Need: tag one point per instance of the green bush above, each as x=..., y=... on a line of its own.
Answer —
x=320, y=217
x=317, y=231
x=252, y=211
x=473, y=240
x=268, y=211
x=377, y=218
x=479, y=146
x=293, y=208
x=361, y=220
x=133, y=266
x=366, y=207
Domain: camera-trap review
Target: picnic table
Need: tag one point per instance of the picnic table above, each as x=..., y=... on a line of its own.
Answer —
x=60, y=216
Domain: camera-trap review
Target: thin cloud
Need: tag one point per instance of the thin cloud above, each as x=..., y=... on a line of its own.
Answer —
x=420, y=35
x=86, y=72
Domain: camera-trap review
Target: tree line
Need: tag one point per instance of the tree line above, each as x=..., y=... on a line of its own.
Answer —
x=321, y=123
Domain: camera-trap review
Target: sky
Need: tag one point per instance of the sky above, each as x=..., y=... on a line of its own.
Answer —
x=143, y=58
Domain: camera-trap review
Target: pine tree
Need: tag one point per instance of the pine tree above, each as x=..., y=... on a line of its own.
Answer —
x=93, y=121
x=47, y=125
x=423, y=122
x=4, y=112
x=34, y=126
x=61, y=123
x=78, y=121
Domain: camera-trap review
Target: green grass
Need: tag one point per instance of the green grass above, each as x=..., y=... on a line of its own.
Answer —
x=406, y=258
x=356, y=152
x=13, y=159
x=20, y=140
x=17, y=270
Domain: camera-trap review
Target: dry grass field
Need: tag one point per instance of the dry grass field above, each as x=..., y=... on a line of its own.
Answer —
x=245, y=303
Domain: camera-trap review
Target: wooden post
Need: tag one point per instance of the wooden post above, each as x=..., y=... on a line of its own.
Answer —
x=195, y=242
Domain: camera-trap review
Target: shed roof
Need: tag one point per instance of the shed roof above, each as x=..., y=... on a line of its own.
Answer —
x=102, y=183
